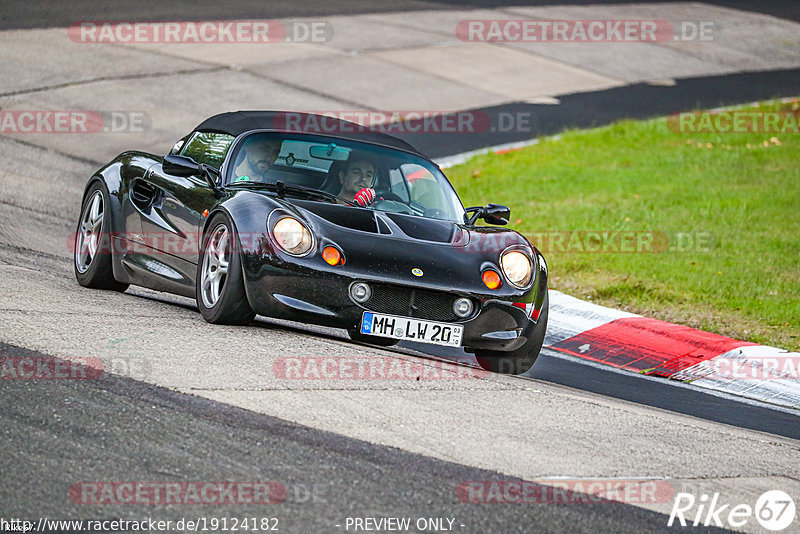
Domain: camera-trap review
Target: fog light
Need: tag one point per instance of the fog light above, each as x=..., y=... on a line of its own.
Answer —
x=360, y=292
x=462, y=307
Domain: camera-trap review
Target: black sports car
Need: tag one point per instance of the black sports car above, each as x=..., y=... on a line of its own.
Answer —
x=345, y=227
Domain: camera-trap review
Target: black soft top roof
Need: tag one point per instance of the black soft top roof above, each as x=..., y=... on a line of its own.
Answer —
x=238, y=122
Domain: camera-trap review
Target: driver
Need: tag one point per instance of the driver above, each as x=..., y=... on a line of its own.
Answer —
x=356, y=179
x=260, y=154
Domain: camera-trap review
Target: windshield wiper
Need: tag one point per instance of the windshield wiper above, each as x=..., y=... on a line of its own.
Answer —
x=281, y=188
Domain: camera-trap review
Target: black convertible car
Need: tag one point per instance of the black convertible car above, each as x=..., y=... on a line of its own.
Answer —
x=347, y=227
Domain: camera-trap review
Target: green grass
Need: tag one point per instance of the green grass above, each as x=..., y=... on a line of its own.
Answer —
x=741, y=191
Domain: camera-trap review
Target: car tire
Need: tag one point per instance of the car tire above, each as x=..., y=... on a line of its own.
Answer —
x=355, y=335
x=93, y=247
x=219, y=284
x=517, y=362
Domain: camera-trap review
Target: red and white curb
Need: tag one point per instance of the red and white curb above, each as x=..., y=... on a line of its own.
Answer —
x=651, y=347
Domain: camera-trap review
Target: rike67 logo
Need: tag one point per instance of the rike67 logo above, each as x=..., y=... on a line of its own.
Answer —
x=774, y=510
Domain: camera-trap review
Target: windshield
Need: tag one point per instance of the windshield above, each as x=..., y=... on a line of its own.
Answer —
x=403, y=182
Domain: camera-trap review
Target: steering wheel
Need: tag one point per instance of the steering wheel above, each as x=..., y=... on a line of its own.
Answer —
x=387, y=195
x=392, y=206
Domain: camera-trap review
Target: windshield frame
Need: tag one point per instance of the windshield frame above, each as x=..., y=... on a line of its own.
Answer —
x=226, y=171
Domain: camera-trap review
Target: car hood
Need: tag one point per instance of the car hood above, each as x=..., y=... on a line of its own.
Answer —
x=386, y=224
x=385, y=247
x=404, y=249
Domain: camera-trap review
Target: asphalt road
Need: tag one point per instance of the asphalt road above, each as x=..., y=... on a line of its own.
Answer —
x=590, y=109
x=82, y=430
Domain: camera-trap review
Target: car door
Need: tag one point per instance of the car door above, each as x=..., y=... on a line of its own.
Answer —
x=173, y=215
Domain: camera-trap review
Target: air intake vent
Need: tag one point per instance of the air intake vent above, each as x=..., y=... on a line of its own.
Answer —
x=425, y=229
x=142, y=194
x=345, y=216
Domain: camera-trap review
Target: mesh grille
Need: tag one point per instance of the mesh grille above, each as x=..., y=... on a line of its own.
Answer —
x=393, y=300
x=409, y=302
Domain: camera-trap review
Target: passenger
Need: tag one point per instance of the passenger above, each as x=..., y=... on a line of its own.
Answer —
x=260, y=154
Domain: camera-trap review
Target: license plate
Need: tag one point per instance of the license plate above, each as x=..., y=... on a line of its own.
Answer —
x=377, y=324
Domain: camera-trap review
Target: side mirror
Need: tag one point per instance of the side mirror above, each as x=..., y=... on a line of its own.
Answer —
x=180, y=166
x=491, y=213
x=496, y=214
x=186, y=166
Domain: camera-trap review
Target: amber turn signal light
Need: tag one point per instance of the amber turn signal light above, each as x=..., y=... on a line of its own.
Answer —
x=332, y=256
x=491, y=279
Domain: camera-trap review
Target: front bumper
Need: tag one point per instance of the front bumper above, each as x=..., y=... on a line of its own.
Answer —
x=322, y=297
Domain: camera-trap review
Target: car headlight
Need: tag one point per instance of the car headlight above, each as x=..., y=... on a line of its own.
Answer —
x=292, y=236
x=517, y=268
